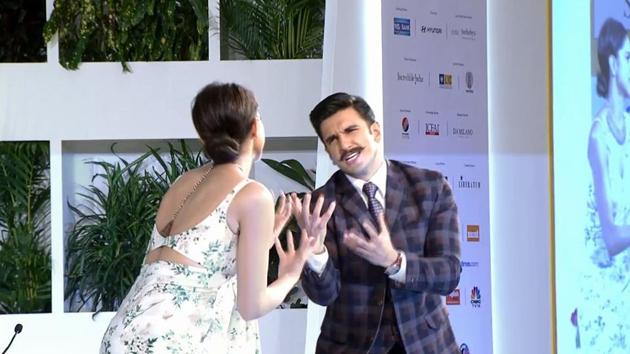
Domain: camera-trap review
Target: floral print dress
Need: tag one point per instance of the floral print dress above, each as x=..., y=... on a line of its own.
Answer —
x=604, y=316
x=175, y=308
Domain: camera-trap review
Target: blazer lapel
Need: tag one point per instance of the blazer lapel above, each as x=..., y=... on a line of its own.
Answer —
x=396, y=192
x=351, y=201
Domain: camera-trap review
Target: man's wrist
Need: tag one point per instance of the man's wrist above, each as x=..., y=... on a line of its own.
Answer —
x=321, y=250
x=394, y=267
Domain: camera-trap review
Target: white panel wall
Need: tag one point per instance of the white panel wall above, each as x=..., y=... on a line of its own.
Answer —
x=519, y=176
x=99, y=101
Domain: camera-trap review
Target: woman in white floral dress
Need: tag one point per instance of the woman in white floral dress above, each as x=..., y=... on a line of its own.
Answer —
x=204, y=278
x=603, y=318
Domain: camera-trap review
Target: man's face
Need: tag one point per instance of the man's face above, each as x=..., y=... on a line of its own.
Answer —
x=352, y=145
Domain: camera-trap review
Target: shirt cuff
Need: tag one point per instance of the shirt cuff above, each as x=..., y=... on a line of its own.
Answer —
x=317, y=262
x=401, y=275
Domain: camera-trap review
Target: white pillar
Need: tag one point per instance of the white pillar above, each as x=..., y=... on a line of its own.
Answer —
x=352, y=62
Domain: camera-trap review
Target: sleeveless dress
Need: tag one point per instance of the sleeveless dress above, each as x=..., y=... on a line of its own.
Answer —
x=604, y=317
x=175, y=308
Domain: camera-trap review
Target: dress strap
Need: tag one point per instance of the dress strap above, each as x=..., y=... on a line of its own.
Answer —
x=181, y=205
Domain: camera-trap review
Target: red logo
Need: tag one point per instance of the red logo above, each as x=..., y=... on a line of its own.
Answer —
x=453, y=298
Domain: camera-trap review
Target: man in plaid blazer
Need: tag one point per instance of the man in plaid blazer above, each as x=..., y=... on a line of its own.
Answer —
x=389, y=238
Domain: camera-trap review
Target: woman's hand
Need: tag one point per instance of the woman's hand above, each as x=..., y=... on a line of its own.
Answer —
x=292, y=260
x=282, y=216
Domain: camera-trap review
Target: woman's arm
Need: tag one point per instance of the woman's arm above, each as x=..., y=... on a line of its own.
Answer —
x=255, y=214
x=616, y=237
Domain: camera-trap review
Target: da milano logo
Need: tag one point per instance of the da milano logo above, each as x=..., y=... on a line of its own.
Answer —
x=475, y=297
x=472, y=233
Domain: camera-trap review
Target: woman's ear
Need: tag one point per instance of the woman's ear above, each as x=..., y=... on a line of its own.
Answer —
x=254, y=129
x=613, y=65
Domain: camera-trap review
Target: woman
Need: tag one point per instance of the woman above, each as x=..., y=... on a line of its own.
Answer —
x=214, y=226
x=603, y=320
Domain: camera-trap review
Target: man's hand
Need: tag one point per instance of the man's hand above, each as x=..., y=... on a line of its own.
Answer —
x=314, y=223
x=377, y=249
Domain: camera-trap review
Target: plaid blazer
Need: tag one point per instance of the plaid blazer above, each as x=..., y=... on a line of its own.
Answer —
x=421, y=215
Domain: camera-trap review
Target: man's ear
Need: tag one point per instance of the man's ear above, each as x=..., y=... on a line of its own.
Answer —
x=375, y=129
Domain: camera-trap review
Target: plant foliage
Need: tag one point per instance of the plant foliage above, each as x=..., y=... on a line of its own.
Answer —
x=296, y=172
x=106, y=247
x=123, y=30
x=25, y=279
x=272, y=29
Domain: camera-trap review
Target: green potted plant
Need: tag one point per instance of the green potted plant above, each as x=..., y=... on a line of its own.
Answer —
x=271, y=29
x=106, y=246
x=295, y=171
x=25, y=279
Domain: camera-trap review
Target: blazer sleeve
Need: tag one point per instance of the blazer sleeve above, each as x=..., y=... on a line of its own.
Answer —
x=438, y=270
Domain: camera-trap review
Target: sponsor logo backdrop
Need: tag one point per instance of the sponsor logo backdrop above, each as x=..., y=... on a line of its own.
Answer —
x=436, y=116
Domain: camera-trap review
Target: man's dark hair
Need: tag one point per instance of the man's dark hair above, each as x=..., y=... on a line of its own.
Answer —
x=337, y=102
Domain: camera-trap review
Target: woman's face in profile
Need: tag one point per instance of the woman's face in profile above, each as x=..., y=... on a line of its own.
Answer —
x=623, y=68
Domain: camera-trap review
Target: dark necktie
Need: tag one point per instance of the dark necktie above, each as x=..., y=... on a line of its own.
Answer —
x=374, y=206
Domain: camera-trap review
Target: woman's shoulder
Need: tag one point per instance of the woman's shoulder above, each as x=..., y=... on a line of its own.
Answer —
x=599, y=125
x=253, y=191
x=252, y=199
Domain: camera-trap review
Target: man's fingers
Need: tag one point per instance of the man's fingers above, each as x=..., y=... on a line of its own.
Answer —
x=329, y=212
x=306, y=211
x=356, y=244
x=381, y=220
x=303, y=236
x=370, y=229
x=318, y=206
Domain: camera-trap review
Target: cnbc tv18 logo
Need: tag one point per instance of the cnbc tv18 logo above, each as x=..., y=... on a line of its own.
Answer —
x=475, y=297
x=402, y=26
x=445, y=81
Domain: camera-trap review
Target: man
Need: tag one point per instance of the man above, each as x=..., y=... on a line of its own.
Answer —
x=390, y=248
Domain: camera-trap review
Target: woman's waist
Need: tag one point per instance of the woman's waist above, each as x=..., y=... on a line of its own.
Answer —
x=175, y=274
